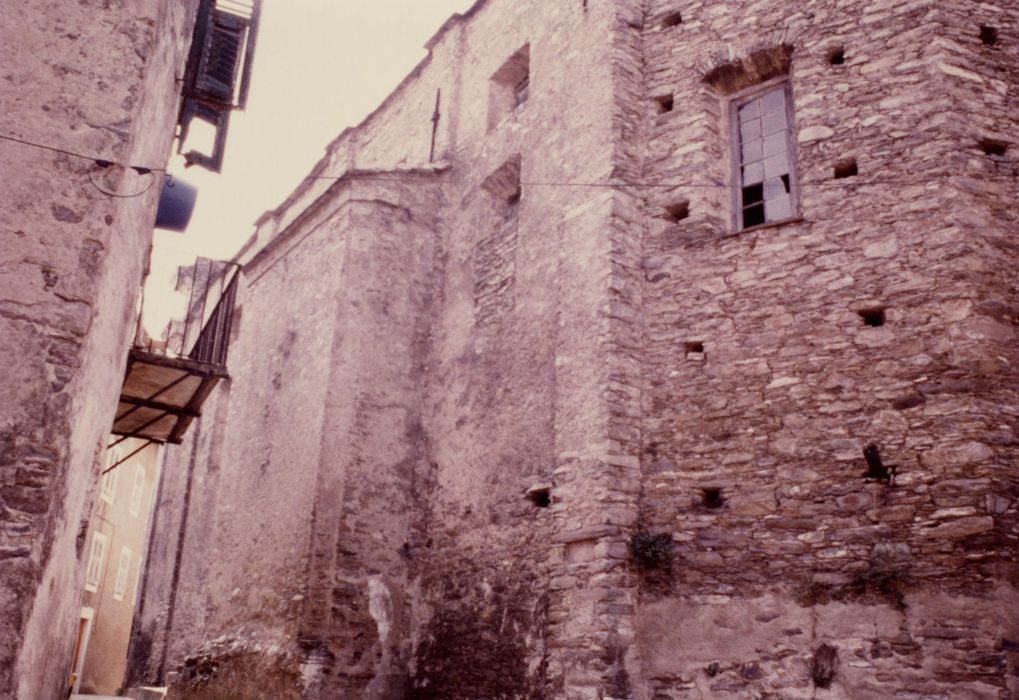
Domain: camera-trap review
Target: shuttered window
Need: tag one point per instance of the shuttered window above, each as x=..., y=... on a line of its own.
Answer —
x=96, y=558
x=218, y=72
x=123, y=569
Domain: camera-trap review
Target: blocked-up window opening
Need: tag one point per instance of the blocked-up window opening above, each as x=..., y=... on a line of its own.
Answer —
x=510, y=86
x=765, y=157
x=496, y=249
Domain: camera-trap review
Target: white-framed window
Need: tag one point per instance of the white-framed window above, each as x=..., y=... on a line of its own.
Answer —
x=137, y=490
x=109, y=487
x=764, y=157
x=96, y=559
x=123, y=569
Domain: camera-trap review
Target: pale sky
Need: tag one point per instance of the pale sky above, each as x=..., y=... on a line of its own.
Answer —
x=320, y=66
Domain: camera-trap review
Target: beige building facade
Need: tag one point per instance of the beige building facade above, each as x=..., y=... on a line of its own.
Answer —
x=116, y=543
x=654, y=349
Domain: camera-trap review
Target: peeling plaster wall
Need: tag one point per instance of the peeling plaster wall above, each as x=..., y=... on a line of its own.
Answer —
x=96, y=79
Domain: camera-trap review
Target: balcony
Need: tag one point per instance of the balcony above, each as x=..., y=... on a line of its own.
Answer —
x=168, y=379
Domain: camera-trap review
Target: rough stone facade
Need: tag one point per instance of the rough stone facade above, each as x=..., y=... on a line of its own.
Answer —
x=96, y=79
x=535, y=420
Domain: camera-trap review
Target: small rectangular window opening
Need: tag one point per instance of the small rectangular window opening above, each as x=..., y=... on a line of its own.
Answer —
x=845, y=168
x=510, y=86
x=675, y=213
x=694, y=349
x=873, y=316
x=837, y=56
x=988, y=35
x=664, y=103
x=764, y=158
x=993, y=147
x=673, y=19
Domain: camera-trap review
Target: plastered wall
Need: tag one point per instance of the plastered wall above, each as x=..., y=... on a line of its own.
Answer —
x=94, y=79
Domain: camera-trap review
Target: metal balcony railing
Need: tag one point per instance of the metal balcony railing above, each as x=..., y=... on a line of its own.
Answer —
x=202, y=331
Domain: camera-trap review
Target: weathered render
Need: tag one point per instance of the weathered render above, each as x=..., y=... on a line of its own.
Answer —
x=517, y=411
x=95, y=79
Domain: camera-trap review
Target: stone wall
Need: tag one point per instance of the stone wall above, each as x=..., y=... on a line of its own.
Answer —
x=765, y=381
x=535, y=420
x=97, y=80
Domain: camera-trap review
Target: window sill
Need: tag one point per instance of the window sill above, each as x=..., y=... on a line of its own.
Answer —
x=761, y=227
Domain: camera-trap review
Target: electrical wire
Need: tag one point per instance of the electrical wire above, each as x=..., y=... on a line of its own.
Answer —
x=102, y=162
x=852, y=181
x=152, y=180
x=840, y=182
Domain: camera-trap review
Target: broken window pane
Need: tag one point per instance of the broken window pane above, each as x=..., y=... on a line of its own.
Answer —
x=765, y=181
x=753, y=216
x=753, y=173
x=779, y=208
x=774, y=188
x=776, y=165
x=752, y=194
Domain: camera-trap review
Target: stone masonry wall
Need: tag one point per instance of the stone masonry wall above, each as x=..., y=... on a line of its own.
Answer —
x=764, y=383
x=534, y=421
x=98, y=80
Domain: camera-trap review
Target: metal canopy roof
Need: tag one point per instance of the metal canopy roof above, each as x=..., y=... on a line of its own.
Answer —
x=162, y=395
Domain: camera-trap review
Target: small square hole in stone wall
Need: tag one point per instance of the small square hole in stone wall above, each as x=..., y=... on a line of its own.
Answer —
x=988, y=35
x=711, y=497
x=873, y=316
x=845, y=168
x=664, y=103
x=993, y=147
x=540, y=496
x=694, y=350
x=677, y=212
x=673, y=19
x=837, y=56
